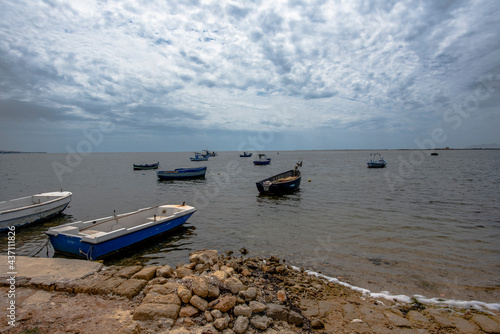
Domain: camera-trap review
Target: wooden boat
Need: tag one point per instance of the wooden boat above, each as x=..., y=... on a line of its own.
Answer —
x=245, y=155
x=434, y=153
x=377, y=161
x=30, y=209
x=199, y=157
x=97, y=238
x=263, y=160
x=182, y=173
x=209, y=154
x=281, y=184
x=146, y=166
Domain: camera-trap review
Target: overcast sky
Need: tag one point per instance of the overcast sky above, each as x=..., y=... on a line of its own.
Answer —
x=264, y=75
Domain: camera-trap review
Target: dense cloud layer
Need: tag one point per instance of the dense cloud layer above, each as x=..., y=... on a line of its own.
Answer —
x=328, y=71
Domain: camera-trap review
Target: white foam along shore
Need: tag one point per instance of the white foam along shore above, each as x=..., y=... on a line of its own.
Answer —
x=407, y=299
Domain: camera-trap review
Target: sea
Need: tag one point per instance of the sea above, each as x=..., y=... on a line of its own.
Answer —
x=425, y=226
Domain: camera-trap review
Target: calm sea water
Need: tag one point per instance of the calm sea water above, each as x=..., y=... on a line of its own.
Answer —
x=426, y=225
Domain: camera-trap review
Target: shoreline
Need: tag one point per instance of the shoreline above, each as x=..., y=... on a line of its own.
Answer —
x=214, y=294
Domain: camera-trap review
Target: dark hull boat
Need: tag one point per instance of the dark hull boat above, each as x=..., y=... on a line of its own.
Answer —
x=281, y=184
x=182, y=173
x=245, y=155
x=377, y=161
x=146, y=166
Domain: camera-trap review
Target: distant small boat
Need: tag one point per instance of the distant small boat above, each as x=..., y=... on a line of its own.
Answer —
x=182, y=173
x=281, y=184
x=377, y=161
x=434, y=153
x=207, y=153
x=147, y=166
x=97, y=238
x=31, y=209
x=245, y=155
x=263, y=160
x=199, y=157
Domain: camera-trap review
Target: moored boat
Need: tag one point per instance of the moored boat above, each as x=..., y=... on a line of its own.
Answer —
x=377, y=161
x=281, y=184
x=245, y=155
x=97, y=238
x=146, y=166
x=181, y=173
x=263, y=160
x=434, y=153
x=199, y=157
x=31, y=209
x=207, y=153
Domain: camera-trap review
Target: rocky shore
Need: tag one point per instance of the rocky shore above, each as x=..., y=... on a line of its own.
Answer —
x=219, y=293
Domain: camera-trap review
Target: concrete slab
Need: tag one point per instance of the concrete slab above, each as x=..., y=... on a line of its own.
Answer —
x=47, y=269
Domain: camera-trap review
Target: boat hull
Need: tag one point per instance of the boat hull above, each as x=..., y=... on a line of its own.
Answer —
x=270, y=186
x=73, y=245
x=376, y=164
x=146, y=167
x=34, y=213
x=262, y=162
x=182, y=173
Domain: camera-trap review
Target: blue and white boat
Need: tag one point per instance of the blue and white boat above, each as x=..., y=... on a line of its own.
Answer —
x=377, y=161
x=263, y=160
x=97, y=238
x=31, y=209
x=199, y=157
x=181, y=173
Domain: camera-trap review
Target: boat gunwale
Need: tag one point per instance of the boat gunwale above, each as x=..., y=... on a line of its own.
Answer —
x=34, y=205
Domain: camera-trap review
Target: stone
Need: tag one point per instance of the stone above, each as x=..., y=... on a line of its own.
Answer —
x=198, y=302
x=127, y=272
x=317, y=324
x=248, y=294
x=243, y=310
x=277, y=312
x=228, y=270
x=164, y=271
x=221, y=323
x=209, y=317
x=203, y=256
x=184, y=294
x=130, y=288
x=147, y=273
x=107, y=286
x=234, y=285
x=158, y=281
x=464, y=327
x=219, y=275
x=397, y=320
x=224, y=303
x=486, y=323
x=417, y=319
x=241, y=324
x=295, y=318
x=199, y=286
x=261, y=322
x=155, y=311
x=188, y=311
x=213, y=291
x=182, y=272
x=245, y=272
x=165, y=289
x=216, y=314
x=257, y=307
x=281, y=295
x=158, y=298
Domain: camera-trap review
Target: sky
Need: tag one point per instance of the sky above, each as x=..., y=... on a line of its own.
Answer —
x=159, y=76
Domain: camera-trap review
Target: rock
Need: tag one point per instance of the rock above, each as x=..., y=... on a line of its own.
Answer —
x=249, y=294
x=261, y=322
x=234, y=285
x=243, y=310
x=127, y=272
x=228, y=270
x=158, y=281
x=209, y=317
x=224, y=303
x=486, y=323
x=164, y=271
x=202, y=267
x=245, y=272
x=184, y=294
x=221, y=323
x=130, y=288
x=243, y=251
x=417, y=318
x=241, y=324
x=213, y=291
x=182, y=272
x=156, y=311
x=317, y=324
x=397, y=320
x=295, y=318
x=165, y=289
x=257, y=307
x=158, y=298
x=199, y=286
x=219, y=275
x=198, y=302
x=277, y=312
x=281, y=296
x=188, y=311
x=216, y=313
x=147, y=273
x=203, y=256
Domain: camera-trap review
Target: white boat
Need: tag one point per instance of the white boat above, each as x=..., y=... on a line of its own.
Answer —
x=30, y=209
x=94, y=239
